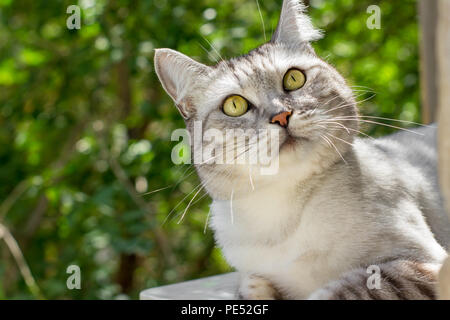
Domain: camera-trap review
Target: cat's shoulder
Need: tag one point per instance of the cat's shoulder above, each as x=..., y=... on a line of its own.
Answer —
x=415, y=145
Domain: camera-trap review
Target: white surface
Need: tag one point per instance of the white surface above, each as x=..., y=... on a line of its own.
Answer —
x=221, y=287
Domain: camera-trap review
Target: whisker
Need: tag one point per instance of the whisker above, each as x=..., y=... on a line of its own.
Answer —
x=221, y=154
x=329, y=144
x=390, y=119
x=215, y=50
x=202, y=185
x=362, y=93
x=208, y=53
x=351, y=144
x=335, y=148
x=183, y=176
x=354, y=130
x=199, y=199
x=337, y=123
x=206, y=221
x=179, y=203
x=349, y=104
x=262, y=20
x=335, y=97
x=157, y=190
x=379, y=123
x=189, y=204
x=362, y=87
x=339, y=105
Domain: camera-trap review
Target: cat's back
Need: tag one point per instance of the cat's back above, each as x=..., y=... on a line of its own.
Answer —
x=413, y=155
x=416, y=146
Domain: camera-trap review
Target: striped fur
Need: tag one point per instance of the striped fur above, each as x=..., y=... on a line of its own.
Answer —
x=400, y=280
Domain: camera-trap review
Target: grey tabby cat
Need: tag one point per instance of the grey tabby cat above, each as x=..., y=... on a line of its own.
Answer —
x=344, y=217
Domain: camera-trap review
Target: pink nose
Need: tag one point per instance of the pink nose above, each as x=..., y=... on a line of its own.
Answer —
x=282, y=118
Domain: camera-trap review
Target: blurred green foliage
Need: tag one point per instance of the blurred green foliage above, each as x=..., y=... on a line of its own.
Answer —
x=85, y=129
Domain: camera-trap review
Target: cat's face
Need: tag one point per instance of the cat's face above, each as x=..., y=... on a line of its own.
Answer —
x=280, y=87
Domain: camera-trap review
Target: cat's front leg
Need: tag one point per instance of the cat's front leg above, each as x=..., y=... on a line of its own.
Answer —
x=253, y=287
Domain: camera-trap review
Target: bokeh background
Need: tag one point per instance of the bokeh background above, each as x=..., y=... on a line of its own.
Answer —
x=85, y=131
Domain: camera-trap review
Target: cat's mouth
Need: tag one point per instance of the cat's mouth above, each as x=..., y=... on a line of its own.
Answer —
x=296, y=134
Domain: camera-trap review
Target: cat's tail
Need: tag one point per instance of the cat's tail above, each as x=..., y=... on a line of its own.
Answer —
x=444, y=281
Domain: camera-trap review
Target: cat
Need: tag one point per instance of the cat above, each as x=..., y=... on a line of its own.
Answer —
x=343, y=217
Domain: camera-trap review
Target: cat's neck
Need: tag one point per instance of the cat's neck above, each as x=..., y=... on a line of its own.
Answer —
x=292, y=170
x=272, y=210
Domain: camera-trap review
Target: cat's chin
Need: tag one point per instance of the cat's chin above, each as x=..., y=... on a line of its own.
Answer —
x=291, y=142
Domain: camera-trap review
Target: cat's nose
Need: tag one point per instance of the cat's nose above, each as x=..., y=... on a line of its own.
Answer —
x=281, y=118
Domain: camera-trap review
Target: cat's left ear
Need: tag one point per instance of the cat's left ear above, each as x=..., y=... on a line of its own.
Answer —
x=178, y=75
x=294, y=26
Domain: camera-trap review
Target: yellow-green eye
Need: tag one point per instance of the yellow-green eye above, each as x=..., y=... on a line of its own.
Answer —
x=293, y=79
x=235, y=106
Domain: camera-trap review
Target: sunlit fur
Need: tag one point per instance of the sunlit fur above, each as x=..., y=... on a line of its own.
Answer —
x=338, y=203
x=258, y=77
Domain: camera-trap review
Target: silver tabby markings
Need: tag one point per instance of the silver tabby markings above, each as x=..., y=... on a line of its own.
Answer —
x=338, y=203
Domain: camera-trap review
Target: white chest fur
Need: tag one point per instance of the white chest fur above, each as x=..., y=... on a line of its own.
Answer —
x=272, y=233
x=301, y=237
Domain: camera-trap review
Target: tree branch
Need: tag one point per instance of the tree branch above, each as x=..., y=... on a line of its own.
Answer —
x=122, y=176
x=14, y=248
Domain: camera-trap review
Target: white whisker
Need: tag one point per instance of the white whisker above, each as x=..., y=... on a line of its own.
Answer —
x=390, y=119
x=339, y=139
x=262, y=20
x=335, y=148
x=349, y=104
x=354, y=130
x=378, y=123
x=189, y=204
x=208, y=53
x=160, y=189
x=206, y=222
x=337, y=123
x=215, y=50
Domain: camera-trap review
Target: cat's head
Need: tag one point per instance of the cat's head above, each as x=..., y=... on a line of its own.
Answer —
x=281, y=86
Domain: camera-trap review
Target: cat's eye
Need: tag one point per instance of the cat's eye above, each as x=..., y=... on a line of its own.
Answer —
x=235, y=106
x=293, y=79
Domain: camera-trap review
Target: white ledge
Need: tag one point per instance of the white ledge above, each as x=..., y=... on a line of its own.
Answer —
x=221, y=287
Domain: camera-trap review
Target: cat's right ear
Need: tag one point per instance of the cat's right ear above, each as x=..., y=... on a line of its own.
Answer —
x=294, y=26
x=177, y=74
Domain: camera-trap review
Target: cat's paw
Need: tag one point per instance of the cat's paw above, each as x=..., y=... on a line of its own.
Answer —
x=256, y=288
